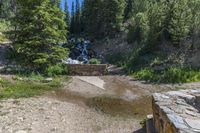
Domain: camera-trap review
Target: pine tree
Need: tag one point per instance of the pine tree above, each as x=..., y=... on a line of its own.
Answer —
x=72, y=22
x=112, y=16
x=180, y=20
x=195, y=12
x=156, y=17
x=92, y=17
x=128, y=9
x=103, y=17
x=77, y=27
x=6, y=8
x=82, y=26
x=40, y=29
x=140, y=6
x=67, y=16
x=1, y=6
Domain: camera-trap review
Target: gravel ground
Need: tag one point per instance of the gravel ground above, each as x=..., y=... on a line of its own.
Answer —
x=46, y=115
x=66, y=112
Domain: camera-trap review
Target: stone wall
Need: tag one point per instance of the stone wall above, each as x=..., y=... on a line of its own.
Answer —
x=177, y=111
x=87, y=69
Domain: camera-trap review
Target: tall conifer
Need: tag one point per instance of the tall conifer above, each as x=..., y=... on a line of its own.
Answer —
x=40, y=28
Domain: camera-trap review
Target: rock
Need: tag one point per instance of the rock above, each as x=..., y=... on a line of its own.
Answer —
x=71, y=61
x=21, y=131
x=48, y=80
x=54, y=129
x=177, y=111
x=193, y=123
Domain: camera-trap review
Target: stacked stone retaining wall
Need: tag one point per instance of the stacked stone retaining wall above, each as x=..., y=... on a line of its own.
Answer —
x=177, y=111
x=87, y=69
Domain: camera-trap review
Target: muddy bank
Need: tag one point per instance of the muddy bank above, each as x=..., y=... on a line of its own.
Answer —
x=108, y=105
x=112, y=95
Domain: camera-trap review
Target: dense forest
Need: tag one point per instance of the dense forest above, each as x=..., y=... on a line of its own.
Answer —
x=37, y=28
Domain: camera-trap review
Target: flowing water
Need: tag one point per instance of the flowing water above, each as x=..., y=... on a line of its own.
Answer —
x=80, y=53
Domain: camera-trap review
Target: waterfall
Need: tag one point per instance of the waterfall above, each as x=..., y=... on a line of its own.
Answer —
x=80, y=54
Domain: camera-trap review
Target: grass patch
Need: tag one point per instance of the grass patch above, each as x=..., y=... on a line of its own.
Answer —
x=29, y=76
x=170, y=75
x=26, y=88
x=3, y=38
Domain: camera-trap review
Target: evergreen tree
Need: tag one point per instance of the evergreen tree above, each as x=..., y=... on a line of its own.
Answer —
x=77, y=22
x=102, y=17
x=180, y=20
x=39, y=30
x=140, y=6
x=6, y=8
x=1, y=6
x=67, y=16
x=156, y=18
x=112, y=14
x=195, y=18
x=92, y=17
x=82, y=26
x=128, y=9
x=72, y=24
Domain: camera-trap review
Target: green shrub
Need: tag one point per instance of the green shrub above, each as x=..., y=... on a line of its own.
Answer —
x=118, y=59
x=2, y=38
x=182, y=75
x=170, y=75
x=4, y=26
x=94, y=61
x=57, y=69
x=146, y=74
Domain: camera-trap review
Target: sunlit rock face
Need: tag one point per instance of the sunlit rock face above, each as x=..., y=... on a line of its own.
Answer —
x=177, y=111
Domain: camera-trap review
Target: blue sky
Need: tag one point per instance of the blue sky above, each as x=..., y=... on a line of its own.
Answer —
x=69, y=3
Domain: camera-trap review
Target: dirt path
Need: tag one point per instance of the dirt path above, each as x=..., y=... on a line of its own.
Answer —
x=108, y=104
x=44, y=115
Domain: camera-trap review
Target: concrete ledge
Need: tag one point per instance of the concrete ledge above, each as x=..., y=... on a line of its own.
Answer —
x=87, y=69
